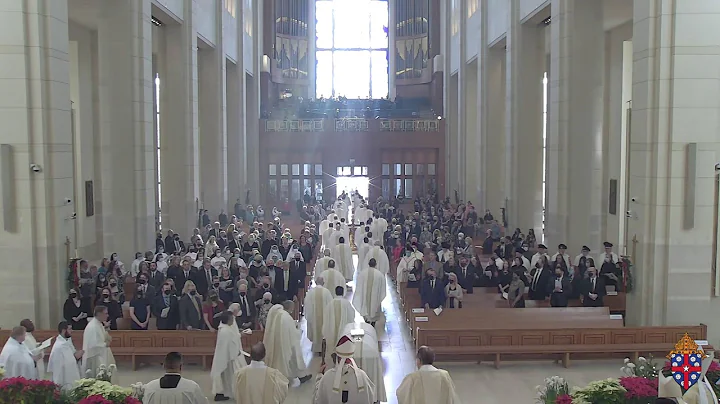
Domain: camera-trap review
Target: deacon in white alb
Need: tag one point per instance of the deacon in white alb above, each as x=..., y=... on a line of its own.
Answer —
x=342, y=254
x=16, y=357
x=32, y=345
x=227, y=359
x=316, y=299
x=345, y=383
x=378, y=253
x=333, y=278
x=322, y=263
x=282, y=340
x=258, y=383
x=63, y=363
x=172, y=388
x=96, y=343
x=427, y=385
x=338, y=313
x=369, y=292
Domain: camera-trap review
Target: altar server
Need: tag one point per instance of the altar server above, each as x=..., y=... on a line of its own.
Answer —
x=16, y=357
x=227, y=358
x=172, y=388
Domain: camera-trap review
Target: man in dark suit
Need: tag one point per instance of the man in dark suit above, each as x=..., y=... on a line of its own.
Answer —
x=298, y=268
x=183, y=275
x=432, y=291
x=265, y=286
x=203, y=277
x=166, y=300
x=148, y=291
x=593, y=289
x=190, y=307
x=286, y=282
x=560, y=288
x=268, y=243
x=170, y=242
x=539, y=278
x=155, y=278
x=466, y=275
x=248, y=311
x=505, y=250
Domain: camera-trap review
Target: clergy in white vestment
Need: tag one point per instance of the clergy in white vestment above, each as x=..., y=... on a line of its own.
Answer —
x=363, y=250
x=227, y=358
x=316, y=299
x=406, y=264
x=378, y=253
x=321, y=264
x=368, y=357
x=259, y=384
x=427, y=385
x=342, y=254
x=63, y=363
x=379, y=227
x=16, y=358
x=172, y=388
x=338, y=313
x=333, y=278
x=32, y=345
x=345, y=382
x=369, y=292
x=96, y=343
x=282, y=341
x=328, y=238
x=324, y=224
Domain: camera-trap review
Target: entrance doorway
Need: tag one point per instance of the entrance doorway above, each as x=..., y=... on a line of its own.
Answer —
x=349, y=184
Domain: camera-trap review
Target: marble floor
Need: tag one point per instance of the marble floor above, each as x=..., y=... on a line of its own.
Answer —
x=515, y=382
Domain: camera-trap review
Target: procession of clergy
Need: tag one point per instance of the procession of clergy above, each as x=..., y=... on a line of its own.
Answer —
x=351, y=371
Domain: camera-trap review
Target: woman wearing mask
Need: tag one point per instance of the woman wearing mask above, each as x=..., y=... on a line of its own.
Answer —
x=516, y=290
x=119, y=264
x=211, y=244
x=415, y=274
x=160, y=261
x=252, y=283
x=234, y=266
x=116, y=290
x=275, y=254
x=139, y=311
x=218, y=260
x=211, y=311
x=114, y=308
x=76, y=310
x=226, y=286
x=504, y=278
x=256, y=267
x=306, y=249
x=101, y=282
x=454, y=293
x=264, y=307
x=249, y=247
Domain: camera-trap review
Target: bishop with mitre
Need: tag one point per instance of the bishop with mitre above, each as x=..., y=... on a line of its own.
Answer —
x=316, y=299
x=63, y=363
x=227, y=358
x=370, y=292
x=345, y=382
x=259, y=384
x=16, y=357
x=282, y=341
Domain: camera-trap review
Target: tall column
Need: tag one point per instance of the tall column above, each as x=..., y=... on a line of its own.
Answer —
x=35, y=111
x=494, y=157
x=179, y=143
x=674, y=146
x=126, y=133
x=236, y=119
x=574, y=142
x=460, y=111
x=392, y=31
x=212, y=125
x=481, y=111
x=524, y=121
x=252, y=107
x=470, y=135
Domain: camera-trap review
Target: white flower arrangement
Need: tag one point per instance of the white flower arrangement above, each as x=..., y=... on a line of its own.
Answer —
x=138, y=390
x=554, y=386
x=104, y=373
x=643, y=368
x=91, y=387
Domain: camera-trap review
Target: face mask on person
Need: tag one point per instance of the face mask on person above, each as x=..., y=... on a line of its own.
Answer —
x=297, y=258
x=167, y=292
x=266, y=301
x=106, y=296
x=193, y=292
x=243, y=294
x=266, y=285
x=214, y=298
x=216, y=284
x=113, y=284
x=73, y=295
x=142, y=281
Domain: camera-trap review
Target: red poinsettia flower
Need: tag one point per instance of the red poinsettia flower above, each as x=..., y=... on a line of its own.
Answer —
x=639, y=387
x=563, y=399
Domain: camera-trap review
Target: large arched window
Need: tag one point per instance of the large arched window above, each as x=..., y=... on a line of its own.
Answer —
x=351, y=48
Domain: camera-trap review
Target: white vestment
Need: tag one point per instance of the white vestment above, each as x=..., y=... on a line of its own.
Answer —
x=326, y=394
x=363, y=250
x=324, y=224
x=378, y=228
x=428, y=385
x=32, y=345
x=17, y=360
x=316, y=299
x=333, y=278
x=259, y=384
x=62, y=364
x=342, y=254
x=338, y=313
x=404, y=267
x=369, y=293
x=367, y=357
x=282, y=343
x=95, y=348
x=226, y=360
x=186, y=392
x=383, y=263
x=328, y=239
x=321, y=265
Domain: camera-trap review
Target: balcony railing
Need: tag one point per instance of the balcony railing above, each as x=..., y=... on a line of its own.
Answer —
x=352, y=125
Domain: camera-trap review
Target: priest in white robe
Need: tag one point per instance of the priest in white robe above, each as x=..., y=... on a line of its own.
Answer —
x=378, y=253
x=345, y=382
x=32, y=345
x=227, y=358
x=338, y=313
x=172, y=388
x=362, y=251
x=321, y=264
x=316, y=299
x=63, y=363
x=333, y=278
x=16, y=357
x=96, y=344
x=259, y=384
x=378, y=228
x=342, y=254
x=368, y=357
x=282, y=340
x=328, y=238
x=427, y=385
x=369, y=292
x=324, y=225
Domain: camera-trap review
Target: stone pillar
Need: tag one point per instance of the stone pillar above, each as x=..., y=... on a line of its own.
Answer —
x=212, y=125
x=675, y=102
x=470, y=136
x=574, y=142
x=494, y=139
x=126, y=134
x=35, y=110
x=392, y=49
x=460, y=111
x=481, y=111
x=252, y=106
x=524, y=121
x=179, y=143
x=236, y=121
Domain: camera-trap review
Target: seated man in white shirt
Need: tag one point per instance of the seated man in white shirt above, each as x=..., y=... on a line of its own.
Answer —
x=172, y=388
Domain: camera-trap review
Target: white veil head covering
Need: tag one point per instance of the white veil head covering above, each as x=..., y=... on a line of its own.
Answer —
x=345, y=349
x=291, y=254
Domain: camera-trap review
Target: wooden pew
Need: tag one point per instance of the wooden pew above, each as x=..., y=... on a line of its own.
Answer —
x=154, y=345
